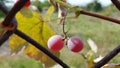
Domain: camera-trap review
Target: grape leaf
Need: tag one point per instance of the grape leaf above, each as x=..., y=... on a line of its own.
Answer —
x=49, y=13
x=16, y=44
x=25, y=11
x=39, y=30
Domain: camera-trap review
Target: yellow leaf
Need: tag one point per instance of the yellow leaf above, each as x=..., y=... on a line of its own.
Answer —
x=26, y=12
x=38, y=55
x=49, y=13
x=90, y=64
x=16, y=43
x=36, y=28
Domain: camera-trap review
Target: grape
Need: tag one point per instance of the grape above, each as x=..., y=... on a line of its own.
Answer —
x=75, y=44
x=27, y=4
x=55, y=43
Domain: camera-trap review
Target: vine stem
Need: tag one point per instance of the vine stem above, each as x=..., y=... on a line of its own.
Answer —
x=63, y=28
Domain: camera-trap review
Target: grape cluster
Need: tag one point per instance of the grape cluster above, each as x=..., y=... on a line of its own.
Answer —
x=56, y=43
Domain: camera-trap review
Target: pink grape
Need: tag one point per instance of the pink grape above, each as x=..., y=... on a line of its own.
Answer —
x=75, y=44
x=27, y=4
x=55, y=43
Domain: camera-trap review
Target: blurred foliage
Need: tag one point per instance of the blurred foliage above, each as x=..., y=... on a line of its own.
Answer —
x=2, y=14
x=19, y=62
x=111, y=10
x=94, y=6
x=41, y=5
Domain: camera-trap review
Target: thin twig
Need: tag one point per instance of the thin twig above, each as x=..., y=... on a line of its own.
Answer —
x=63, y=28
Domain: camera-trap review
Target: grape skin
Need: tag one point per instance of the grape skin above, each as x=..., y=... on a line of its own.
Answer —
x=75, y=44
x=55, y=43
x=27, y=4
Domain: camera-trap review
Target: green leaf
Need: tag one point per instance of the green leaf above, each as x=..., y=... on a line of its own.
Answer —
x=90, y=55
x=77, y=13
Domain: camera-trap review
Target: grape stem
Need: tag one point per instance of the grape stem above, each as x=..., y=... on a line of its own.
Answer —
x=83, y=56
x=63, y=28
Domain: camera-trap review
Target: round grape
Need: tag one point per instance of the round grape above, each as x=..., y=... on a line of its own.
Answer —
x=55, y=43
x=75, y=44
